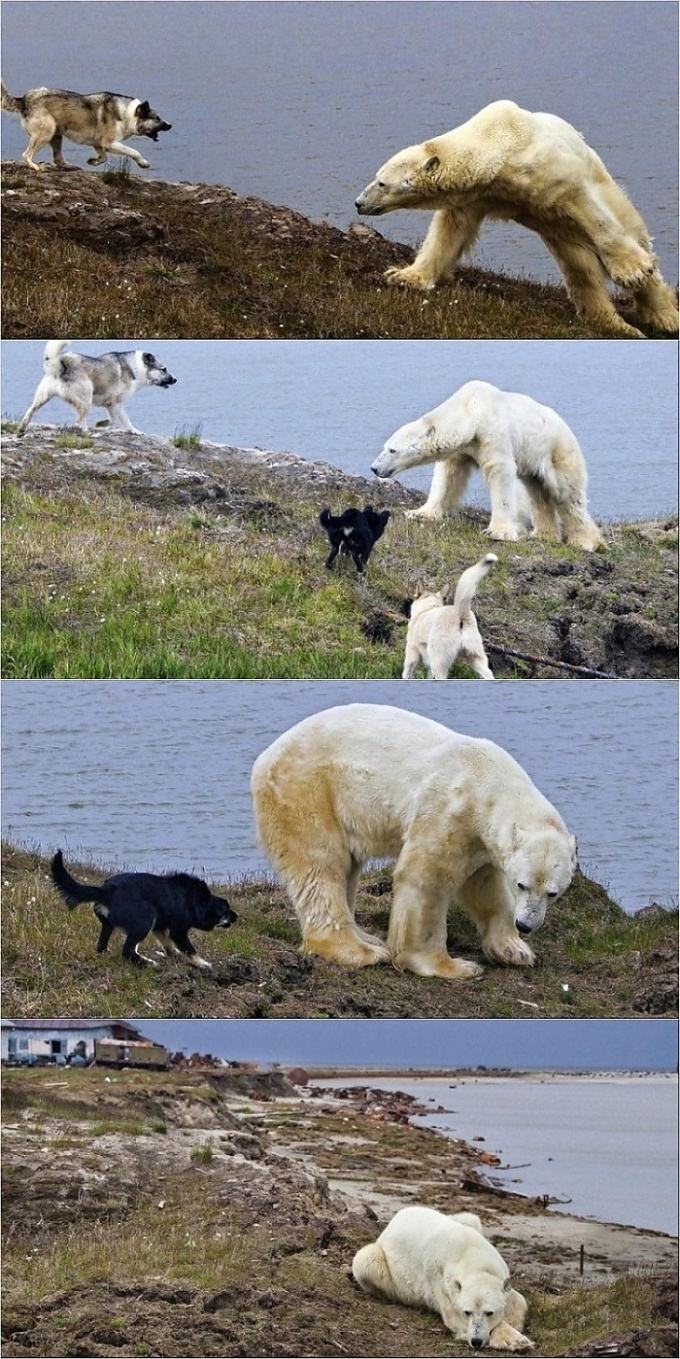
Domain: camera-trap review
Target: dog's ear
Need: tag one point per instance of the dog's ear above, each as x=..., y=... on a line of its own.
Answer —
x=445, y=591
x=143, y=109
x=149, y=360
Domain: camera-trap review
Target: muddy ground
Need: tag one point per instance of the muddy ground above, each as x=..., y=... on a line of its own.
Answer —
x=210, y=562
x=592, y=960
x=124, y=1235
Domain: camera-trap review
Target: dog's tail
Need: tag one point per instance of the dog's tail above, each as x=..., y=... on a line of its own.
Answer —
x=52, y=356
x=11, y=103
x=74, y=893
x=467, y=585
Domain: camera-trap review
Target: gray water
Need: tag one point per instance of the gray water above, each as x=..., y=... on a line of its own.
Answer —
x=340, y=400
x=584, y=1140
x=155, y=775
x=301, y=103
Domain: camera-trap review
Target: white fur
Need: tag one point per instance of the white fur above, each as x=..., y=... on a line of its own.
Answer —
x=536, y=169
x=445, y=1263
x=439, y=633
x=460, y=817
x=530, y=459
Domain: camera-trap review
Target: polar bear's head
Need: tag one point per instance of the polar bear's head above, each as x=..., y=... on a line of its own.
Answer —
x=409, y=446
x=408, y=180
x=481, y=1299
x=538, y=870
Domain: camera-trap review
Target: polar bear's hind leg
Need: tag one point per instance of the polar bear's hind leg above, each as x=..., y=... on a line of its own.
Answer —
x=587, y=285
x=371, y=1272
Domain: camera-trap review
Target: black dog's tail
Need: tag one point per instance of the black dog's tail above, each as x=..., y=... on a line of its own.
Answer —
x=325, y=518
x=74, y=893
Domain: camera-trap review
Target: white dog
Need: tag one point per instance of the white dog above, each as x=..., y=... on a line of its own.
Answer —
x=535, y=169
x=445, y=1263
x=83, y=381
x=438, y=633
x=528, y=456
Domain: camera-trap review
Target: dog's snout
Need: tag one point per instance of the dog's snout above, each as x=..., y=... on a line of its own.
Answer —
x=523, y=927
x=171, y=380
x=165, y=127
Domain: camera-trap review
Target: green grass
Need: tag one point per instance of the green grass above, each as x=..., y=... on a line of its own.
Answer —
x=202, y=1154
x=187, y=438
x=97, y=586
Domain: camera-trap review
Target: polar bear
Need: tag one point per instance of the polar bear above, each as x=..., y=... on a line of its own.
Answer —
x=528, y=456
x=535, y=169
x=462, y=819
x=445, y=1263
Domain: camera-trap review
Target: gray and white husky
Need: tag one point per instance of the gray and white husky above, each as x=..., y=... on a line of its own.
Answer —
x=84, y=381
x=103, y=121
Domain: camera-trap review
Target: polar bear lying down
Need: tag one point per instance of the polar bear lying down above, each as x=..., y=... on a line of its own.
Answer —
x=535, y=169
x=528, y=456
x=462, y=819
x=445, y=1263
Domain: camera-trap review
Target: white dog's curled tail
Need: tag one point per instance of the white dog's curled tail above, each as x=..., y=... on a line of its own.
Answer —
x=52, y=354
x=9, y=103
x=470, y=579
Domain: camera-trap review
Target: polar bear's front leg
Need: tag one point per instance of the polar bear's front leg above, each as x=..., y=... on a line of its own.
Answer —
x=487, y=899
x=449, y=235
x=416, y=937
x=500, y=474
x=449, y=480
x=505, y=1337
x=657, y=305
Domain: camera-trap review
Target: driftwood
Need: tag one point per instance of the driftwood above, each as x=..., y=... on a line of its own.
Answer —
x=545, y=660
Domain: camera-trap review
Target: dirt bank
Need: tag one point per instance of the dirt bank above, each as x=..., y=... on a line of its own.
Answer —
x=593, y=960
x=170, y=1215
x=114, y=254
x=208, y=562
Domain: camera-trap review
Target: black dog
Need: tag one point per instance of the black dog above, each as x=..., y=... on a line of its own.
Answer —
x=138, y=903
x=355, y=532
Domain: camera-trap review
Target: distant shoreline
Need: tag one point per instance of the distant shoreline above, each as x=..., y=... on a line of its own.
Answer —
x=444, y=1076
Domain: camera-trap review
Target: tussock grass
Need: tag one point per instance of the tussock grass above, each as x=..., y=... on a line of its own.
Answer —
x=202, y=1154
x=188, y=438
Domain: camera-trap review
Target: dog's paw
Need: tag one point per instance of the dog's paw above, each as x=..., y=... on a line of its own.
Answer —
x=144, y=164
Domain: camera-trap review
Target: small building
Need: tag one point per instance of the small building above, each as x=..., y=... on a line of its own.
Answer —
x=32, y=1042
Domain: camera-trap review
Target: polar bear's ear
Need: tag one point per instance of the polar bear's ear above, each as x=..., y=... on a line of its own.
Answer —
x=507, y=1285
x=431, y=164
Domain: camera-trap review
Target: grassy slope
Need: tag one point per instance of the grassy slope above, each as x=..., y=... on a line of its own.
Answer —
x=168, y=1253
x=116, y=255
x=612, y=964
x=98, y=582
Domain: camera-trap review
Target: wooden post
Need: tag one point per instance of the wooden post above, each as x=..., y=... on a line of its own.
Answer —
x=581, y=1260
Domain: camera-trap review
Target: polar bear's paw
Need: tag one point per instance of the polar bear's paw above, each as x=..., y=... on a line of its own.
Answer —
x=508, y=949
x=347, y=948
x=438, y=965
x=424, y=513
x=664, y=318
x=409, y=277
x=502, y=532
x=505, y=1337
x=629, y=268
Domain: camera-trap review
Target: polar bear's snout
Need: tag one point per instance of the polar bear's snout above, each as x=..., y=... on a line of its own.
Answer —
x=384, y=464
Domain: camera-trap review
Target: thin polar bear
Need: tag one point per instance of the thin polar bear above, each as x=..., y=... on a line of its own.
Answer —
x=460, y=817
x=445, y=1263
x=530, y=459
x=536, y=169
